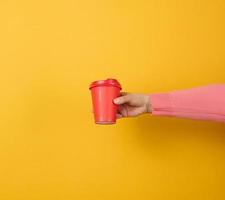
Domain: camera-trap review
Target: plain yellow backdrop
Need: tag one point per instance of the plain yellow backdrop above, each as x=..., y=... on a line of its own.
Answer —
x=50, y=51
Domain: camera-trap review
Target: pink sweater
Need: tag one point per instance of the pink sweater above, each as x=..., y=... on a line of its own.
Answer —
x=205, y=103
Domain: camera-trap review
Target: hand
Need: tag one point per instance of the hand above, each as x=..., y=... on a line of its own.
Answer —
x=131, y=105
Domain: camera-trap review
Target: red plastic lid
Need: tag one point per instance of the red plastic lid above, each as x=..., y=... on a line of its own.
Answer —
x=107, y=82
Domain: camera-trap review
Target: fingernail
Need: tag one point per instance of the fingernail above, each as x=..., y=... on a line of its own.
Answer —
x=116, y=101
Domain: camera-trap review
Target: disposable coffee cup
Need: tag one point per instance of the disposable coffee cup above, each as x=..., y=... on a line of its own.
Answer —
x=103, y=93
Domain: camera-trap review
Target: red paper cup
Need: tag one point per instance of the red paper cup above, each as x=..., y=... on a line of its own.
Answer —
x=103, y=93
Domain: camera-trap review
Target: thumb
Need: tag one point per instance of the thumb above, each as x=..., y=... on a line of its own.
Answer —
x=122, y=99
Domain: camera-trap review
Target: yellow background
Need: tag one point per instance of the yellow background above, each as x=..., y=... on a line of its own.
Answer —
x=49, y=53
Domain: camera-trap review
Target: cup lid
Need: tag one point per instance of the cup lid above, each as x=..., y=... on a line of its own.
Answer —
x=107, y=82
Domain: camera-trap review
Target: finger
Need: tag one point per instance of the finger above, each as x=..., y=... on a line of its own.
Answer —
x=121, y=95
x=122, y=99
x=119, y=111
x=123, y=111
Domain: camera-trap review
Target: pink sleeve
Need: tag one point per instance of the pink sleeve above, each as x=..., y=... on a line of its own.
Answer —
x=205, y=103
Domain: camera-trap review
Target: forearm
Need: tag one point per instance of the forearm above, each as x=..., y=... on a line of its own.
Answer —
x=205, y=103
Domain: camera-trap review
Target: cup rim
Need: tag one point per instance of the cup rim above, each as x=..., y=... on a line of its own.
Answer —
x=106, y=82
